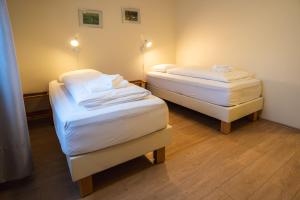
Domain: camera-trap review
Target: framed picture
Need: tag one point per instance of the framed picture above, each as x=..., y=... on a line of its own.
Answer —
x=90, y=18
x=131, y=15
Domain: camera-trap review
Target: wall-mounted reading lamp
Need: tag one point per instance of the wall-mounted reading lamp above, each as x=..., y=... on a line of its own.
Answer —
x=75, y=44
x=147, y=44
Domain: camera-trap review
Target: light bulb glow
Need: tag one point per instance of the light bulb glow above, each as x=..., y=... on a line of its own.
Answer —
x=148, y=44
x=74, y=43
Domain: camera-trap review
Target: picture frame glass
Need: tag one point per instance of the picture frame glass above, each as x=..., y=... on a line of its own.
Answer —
x=131, y=15
x=90, y=18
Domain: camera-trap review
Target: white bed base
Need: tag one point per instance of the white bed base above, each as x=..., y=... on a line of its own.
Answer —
x=225, y=114
x=82, y=167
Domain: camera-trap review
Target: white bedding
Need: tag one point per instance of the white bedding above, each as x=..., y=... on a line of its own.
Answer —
x=110, y=97
x=215, y=92
x=93, y=89
x=81, y=131
x=210, y=74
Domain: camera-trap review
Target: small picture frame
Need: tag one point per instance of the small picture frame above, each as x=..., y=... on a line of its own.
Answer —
x=131, y=15
x=90, y=18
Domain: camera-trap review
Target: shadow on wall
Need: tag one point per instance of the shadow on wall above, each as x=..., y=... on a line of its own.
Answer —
x=279, y=93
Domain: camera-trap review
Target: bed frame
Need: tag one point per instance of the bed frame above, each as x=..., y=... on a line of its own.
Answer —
x=82, y=167
x=225, y=114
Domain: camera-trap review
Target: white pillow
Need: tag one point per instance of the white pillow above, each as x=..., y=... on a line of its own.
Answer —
x=80, y=74
x=163, y=67
x=207, y=73
x=106, y=82
x=222, y=68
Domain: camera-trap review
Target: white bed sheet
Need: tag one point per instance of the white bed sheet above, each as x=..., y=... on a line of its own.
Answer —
x=81, y=131
x=215, y=92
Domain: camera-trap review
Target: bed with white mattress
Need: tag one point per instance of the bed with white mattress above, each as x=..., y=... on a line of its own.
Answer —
x=221, y=99
x=96, y=139
x=83, y=131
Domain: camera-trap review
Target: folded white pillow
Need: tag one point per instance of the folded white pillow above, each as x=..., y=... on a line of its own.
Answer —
x=111, y=97
x=163, y=67
x=82, y=75
x=106, y=82
x=222, y=68
x=90, y=85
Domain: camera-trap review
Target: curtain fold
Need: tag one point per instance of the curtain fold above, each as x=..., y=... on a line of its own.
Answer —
x=15, y=151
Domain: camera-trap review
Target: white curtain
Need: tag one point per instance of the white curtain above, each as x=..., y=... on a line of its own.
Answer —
x=15, y=152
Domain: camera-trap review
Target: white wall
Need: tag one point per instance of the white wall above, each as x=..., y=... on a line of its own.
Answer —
x=262, y=36
x=43, y=28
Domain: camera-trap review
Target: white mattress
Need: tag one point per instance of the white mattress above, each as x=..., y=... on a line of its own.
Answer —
x=81, y=131
x=215, y=92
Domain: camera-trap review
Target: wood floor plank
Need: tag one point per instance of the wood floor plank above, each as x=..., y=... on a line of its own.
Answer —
x=284, y=184
x=297, y=196
x=250, y=136
x=184, y=138
x=213, y=170
x=200, y=163
x=217, y=195
x=249, y=180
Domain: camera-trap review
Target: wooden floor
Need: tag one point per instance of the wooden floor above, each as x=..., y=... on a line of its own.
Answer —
x=259, y=160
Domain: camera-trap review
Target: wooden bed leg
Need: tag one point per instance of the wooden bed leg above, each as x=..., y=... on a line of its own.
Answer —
x=86, y=186
x=225, y=127
x=159, y=155
x=254, y=116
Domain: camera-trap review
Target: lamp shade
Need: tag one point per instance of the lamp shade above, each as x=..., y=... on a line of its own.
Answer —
x=74, y=43
x=148, y=44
